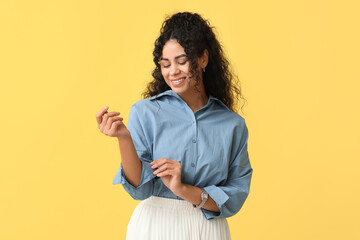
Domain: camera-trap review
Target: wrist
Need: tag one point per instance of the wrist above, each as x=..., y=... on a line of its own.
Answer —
x=180, y=190
x=204, y=197
x=124, y=136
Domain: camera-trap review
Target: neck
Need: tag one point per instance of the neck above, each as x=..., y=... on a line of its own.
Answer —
x=196, y=99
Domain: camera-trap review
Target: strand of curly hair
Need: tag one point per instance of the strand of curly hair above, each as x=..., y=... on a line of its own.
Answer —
x=195, y=35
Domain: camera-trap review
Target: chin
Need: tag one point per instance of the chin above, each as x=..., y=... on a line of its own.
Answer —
x=180, y=90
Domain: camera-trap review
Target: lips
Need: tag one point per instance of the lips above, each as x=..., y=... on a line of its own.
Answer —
x=178, y=81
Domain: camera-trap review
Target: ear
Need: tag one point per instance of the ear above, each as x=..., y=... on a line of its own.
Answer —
x=204, y=59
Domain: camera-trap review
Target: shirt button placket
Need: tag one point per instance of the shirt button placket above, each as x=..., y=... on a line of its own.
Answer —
x=195, y=153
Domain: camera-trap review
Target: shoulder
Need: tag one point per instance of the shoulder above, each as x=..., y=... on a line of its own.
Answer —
x=234, y=116
x=151, y=105
x=144, y=109
x=227, y=116
x=238, y=126
x=238, y=119
x=233, y=124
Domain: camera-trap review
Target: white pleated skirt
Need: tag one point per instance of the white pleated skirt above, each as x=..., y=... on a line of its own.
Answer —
x=158, y=218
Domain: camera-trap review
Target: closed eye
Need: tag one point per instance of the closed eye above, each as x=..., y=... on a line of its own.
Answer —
x=168, y=65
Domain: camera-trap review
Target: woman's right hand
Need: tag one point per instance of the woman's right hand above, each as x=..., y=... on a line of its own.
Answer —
x=110, y=125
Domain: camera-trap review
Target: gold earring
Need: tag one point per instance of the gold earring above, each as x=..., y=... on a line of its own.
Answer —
x=203, y=69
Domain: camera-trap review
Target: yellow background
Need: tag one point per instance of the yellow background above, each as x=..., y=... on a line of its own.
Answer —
x=62, y=61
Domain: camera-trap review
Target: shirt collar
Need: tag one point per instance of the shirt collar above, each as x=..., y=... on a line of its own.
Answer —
x=167, y=92
x=212, y=98
x=172, y=93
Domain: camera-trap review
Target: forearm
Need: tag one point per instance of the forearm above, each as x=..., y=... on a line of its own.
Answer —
x=192, y=194
x=130, y=161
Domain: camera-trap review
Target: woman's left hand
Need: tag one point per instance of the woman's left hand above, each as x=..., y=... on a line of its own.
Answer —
x=169, y=171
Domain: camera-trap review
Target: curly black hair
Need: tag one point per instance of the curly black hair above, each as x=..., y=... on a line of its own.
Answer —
x=195, y=35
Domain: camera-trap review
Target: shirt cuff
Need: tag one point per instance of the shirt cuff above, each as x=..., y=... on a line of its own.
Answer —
x=220, y=198
x=143, y=190
x=145, y=176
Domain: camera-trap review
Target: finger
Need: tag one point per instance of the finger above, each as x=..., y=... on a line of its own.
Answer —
x=164, y=167
x=115, y=125
x=166, y=173
x=111, y=114
x=100, y=113
x=159, y=162
x=111, y=120
x=106, y=116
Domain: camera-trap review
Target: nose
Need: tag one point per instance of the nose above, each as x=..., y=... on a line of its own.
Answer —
x=174, y=70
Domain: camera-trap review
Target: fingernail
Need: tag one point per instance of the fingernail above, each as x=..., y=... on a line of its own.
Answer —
x=106, y=107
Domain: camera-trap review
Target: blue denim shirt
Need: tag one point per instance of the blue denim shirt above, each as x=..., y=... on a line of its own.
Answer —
x=211, y=146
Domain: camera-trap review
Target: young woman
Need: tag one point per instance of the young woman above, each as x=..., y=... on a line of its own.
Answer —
x=184, y=149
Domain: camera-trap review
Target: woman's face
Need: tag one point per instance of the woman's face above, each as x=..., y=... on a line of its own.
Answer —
x=175, y=68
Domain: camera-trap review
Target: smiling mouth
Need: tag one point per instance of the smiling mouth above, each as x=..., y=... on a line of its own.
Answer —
x=178, y=80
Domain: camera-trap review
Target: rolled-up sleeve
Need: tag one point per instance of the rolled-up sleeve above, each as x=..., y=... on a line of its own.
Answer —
x=142, y=146
x=231, y=196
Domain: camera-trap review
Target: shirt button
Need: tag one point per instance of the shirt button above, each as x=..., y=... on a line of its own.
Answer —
x=194, y=141
x=193, y=164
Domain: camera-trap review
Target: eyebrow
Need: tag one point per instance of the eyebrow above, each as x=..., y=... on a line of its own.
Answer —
x=165, y=59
